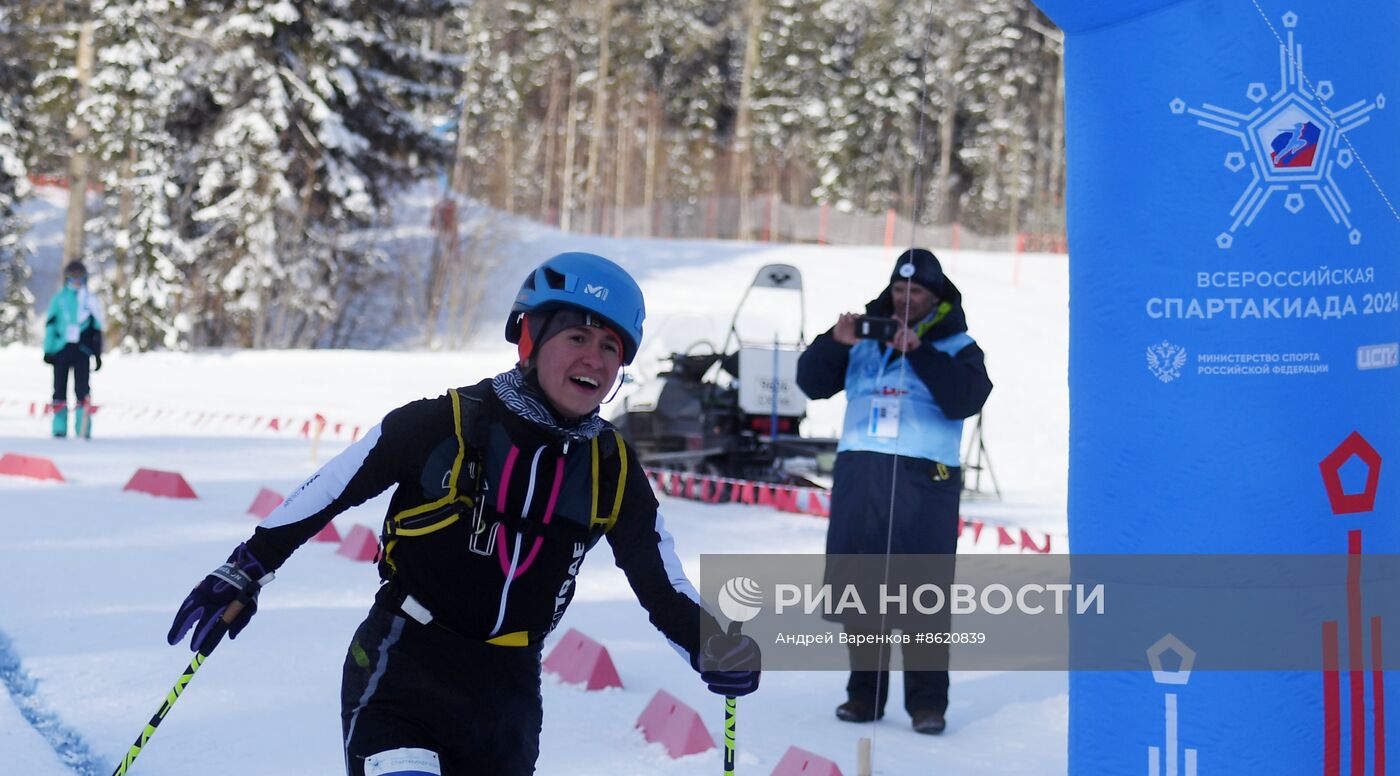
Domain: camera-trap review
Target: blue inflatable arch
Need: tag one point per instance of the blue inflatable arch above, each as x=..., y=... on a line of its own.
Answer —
x=1234, y=322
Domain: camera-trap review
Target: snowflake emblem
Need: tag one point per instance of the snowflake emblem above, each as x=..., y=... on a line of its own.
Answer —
x=1165, y=361
x=1288, y=142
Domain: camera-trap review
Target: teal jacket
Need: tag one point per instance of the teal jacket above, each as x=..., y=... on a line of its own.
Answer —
x=74, y=317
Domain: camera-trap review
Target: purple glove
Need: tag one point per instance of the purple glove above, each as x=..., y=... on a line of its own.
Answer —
x=239, y=579
x=729, y=665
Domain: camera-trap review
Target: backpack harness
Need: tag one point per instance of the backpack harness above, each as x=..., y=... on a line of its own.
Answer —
x=466, y=497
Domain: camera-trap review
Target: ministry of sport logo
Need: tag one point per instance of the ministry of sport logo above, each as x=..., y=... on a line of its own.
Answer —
x=1165, y=360
x=1289, y=142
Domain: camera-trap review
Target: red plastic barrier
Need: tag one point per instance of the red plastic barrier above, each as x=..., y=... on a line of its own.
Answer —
x=160, y=483
x=266, y=501
x=800, y=762
x=327, y=534
x=360, y=544
x=674, y=725
x=577, y=659
x=1028, y=543
x=746, y=493
x=33, y=467
x=976, y=526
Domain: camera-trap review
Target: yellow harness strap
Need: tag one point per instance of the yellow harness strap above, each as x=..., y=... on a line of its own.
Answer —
x=608, y=522
x=394, y=527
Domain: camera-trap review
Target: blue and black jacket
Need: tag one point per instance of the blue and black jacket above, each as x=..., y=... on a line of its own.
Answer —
x=939, y=384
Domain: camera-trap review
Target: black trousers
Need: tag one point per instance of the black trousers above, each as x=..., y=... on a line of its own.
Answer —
x=922, y=689
x=408, y=685
x=74, y=359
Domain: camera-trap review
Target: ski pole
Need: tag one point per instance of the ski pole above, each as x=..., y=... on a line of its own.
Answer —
x=731, y=708
x=216, y=634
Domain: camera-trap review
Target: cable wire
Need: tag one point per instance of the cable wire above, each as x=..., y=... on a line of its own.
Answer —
x=881, y=652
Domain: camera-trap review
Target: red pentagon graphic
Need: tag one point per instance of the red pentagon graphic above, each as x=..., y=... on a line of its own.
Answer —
x=1350, y=503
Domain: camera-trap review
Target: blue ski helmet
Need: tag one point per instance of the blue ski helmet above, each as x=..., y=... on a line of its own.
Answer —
x=588, y=282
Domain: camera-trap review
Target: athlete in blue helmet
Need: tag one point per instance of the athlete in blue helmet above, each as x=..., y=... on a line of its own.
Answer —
x=501, y=489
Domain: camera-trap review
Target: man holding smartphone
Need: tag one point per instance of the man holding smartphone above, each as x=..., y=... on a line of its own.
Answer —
x=911, y=374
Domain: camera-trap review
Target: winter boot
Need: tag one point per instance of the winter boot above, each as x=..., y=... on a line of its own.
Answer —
x=928, y=722
x=60, y=418
x=858, y=711
x=82, y=422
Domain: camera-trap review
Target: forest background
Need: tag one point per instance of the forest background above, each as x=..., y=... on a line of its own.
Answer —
x=243, y=162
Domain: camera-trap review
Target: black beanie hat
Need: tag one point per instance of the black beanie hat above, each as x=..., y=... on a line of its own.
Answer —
x=538, y=328
x=920, y=266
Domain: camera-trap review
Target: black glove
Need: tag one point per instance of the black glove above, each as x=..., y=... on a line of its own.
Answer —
x=49, y=358
x=730, y=664
x=97, y=365
x=239, y=579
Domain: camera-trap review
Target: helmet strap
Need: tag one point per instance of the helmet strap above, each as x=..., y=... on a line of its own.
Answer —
x=621, y=378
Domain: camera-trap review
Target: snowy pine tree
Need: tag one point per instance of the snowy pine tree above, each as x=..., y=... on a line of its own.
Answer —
x=875, y=94
x=16, y=301
x=298, y=127
x=1003, y=69
x=688, y=58
x=135, y=77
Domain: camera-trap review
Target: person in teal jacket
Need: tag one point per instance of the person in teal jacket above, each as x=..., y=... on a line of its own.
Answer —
x=72, y=336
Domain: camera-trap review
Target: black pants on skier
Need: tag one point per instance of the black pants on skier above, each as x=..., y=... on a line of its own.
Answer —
x=415, y=686
x=71, y=358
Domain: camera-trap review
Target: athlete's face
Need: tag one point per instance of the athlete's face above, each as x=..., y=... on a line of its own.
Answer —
x=577, y=367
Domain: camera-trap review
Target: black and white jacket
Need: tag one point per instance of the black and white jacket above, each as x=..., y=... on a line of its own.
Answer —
x=491, y=518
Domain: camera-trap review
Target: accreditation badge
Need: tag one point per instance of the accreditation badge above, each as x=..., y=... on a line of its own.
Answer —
x=884, y=417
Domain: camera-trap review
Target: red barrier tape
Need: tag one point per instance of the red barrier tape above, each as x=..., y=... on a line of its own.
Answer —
x=817, y=503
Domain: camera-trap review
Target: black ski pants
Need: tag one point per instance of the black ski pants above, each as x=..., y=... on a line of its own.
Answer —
x=415, y=686
x=71, y=358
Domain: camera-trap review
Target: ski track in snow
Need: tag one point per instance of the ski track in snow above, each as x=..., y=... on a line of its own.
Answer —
x=66, y=743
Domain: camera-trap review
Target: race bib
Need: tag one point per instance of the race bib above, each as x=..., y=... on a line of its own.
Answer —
x=403, y=762
x=884, y=417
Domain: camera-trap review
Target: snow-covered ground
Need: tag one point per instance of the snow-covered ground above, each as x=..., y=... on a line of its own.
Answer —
x=91, y=575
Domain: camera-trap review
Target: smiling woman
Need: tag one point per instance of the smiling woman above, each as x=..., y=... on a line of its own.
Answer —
x=500, y=490
x=576, y=368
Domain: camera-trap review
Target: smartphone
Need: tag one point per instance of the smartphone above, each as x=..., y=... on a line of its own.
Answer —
x=882, y=329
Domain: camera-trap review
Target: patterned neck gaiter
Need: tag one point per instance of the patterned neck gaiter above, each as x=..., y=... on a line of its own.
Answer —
x=524, y=400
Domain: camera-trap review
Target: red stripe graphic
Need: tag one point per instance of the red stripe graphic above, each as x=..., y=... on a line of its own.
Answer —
x=1331, y=702
x=1378, y=689
x=1355, y=659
